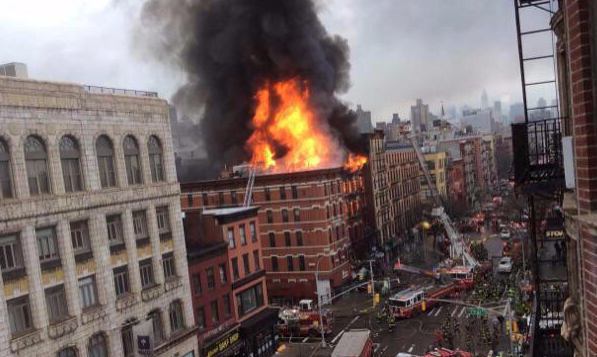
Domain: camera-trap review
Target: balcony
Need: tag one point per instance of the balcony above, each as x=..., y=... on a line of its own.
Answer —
x=537, y=151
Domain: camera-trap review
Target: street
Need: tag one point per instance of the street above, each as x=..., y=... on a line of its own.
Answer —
x=414, y=335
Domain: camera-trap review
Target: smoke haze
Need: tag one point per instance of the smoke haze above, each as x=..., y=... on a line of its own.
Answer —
x=228, y=49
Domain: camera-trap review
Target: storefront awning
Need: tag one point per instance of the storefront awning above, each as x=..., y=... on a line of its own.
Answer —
x=259, y=322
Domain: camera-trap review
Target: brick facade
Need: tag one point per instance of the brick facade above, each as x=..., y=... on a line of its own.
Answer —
x=50, y=111
x=313, y=217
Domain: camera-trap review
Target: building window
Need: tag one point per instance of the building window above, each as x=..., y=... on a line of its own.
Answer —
x=256, y=258
x=215, y=316
x=140, y=225
x=325, y=189
x=87, y=292
x=297, y=215
x=227, y=307
x=56, y=304
x=253, y=231
x=221, y=198
x=290, y=263
x=327, y=212
x=131, y=160
x=168, y=266
x=243, y=235
x=105, y=161
x=79, y=234
x=67, y=352
x=272, y=239
x=11, y=256
x=36, y=159
x=299, y=238
x=156, y=325
x=190, y=200
x=282, y=193
x=287, y=239
x=19, y=315
x=249, y=300
x=223, y=277
x=335, y=210
x=233, y=197
x=275, y=263
x=5, y=172
x=270, y=216
x=246, y=264
x=121, y=280
x=114, y=224
x=302, y=263
x=128, y=347
x=284, y=215
x=70, y=157
x=197, y=284
x=163, y=218
x=146, y=273
x=205, y=199
x=200, y=312
x=235, y=272
x=231, y=242
x=176, y=317
x=156, y=163
x=268, y=197
x=211, y=279
x=337, y=232
x=294, y=191
x=330, y=235
x=98, y=346
x=47, y=245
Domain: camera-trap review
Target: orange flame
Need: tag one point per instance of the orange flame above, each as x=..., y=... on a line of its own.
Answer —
x=284, y=123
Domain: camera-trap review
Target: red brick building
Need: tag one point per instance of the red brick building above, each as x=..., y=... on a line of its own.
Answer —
x=576, y=31
x=228, y=282
x=310, y=222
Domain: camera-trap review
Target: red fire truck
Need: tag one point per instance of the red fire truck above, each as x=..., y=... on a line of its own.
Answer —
x=462, y=276
x=411, y=302
x=303, y=321
x=444, y=352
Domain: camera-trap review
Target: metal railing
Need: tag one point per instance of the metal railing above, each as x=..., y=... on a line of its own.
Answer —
x=537, y=147
x=108, y=90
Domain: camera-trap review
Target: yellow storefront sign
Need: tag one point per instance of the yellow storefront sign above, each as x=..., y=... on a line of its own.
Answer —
x=222, y=344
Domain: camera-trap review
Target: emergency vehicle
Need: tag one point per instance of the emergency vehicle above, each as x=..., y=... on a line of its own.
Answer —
x=411, y=302
x=303, y=321
x=355, y=343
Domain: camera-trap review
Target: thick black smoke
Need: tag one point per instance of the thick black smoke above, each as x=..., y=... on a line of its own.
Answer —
x=230, y=48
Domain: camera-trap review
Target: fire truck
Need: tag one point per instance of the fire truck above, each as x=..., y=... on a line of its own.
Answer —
x=303, y=321
x=462, y=276
x=410, y=302
x=442, y=352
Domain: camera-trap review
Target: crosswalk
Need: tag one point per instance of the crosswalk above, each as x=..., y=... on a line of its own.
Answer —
x=460, y=311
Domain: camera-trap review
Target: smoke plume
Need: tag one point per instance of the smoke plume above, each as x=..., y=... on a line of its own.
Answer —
x=230, y=48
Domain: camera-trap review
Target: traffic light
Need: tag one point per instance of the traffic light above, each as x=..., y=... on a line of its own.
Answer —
x=377, y=298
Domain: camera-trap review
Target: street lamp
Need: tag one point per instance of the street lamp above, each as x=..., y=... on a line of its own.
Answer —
x=319, y=302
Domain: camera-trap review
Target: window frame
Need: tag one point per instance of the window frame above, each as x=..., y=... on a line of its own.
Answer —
x=56, y=304
x=114, y=226
x=70, y=161
x=246, y=264
x=169, y=266
x=51, y=256
x=15, y=252
x=215, y=313
x=163, y=220
x=88, y=289
x=146, y=273
x=6, y=184
x=83, y=232
x=97, y=340
x=211, y=278
x=20, y=305
x=176, y=315
x=140, y=224
x=121, y=277
x=242, y=234
x=156, y=159
x=36, y=162
x=132, y=156
x=256, y=259
x=253, y=231
x=105, y=162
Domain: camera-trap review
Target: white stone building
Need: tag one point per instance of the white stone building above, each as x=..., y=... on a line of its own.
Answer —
x=91, y=240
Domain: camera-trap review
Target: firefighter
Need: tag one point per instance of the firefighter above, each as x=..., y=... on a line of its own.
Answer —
x=391, y=322
x=456, y=328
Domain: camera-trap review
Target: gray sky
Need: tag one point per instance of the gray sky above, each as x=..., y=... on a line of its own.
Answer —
x=438, y=50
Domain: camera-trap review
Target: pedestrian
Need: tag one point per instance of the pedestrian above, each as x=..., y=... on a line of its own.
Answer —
x=558, y=250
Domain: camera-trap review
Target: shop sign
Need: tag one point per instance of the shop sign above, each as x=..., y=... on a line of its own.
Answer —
x=222, y=344
x=554, y=229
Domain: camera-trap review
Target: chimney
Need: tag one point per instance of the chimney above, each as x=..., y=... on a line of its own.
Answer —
x=14, y=69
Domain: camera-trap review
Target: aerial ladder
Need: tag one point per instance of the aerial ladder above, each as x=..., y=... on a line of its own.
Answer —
x=250, y=183
x=458, y=248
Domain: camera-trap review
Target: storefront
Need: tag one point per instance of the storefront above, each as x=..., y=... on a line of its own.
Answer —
x=225, y=344
x=259, y=334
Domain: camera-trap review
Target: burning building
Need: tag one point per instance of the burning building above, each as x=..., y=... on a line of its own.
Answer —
x=311, y=223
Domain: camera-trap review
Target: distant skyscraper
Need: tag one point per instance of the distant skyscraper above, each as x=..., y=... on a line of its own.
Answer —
x=395, y=118
x=484, y=100
x=516, y=114
x=497, y=111
x=419, y=116
x=364, y=120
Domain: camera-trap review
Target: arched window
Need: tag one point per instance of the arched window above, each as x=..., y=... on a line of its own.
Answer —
x=5, y=173
x=155, y=159
x=156, y=324
x=131, y=160
x=128, y=345
x=36, y=158
x=97, y=347
x=70, y=157
x=67, y=352
x=105, y=161
x=176, y=317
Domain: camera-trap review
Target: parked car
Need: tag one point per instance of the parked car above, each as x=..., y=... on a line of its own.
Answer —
x=505, y=233
x=505, y=265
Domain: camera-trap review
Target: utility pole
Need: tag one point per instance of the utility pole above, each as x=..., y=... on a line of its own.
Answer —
x=372, y=282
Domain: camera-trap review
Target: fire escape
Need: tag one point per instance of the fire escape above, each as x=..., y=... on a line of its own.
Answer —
x=538, y=170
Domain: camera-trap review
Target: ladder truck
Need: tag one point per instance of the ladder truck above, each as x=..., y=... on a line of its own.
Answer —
x=458, y=248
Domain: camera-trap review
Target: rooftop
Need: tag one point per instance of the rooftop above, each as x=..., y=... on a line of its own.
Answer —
x=228, y=211
x=352, y=341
